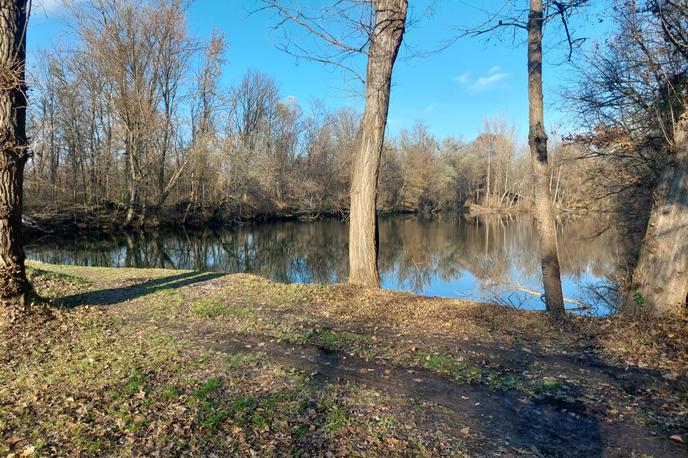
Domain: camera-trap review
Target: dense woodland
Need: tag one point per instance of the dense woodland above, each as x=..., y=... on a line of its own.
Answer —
x=131, y=117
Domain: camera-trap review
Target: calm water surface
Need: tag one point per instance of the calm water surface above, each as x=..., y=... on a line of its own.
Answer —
x=482, y=259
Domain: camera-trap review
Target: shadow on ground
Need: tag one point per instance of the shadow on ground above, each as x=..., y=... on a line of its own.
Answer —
x=113, y=296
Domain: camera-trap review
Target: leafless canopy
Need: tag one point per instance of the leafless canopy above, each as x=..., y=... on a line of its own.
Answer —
x=511, y=15
x=336, y=33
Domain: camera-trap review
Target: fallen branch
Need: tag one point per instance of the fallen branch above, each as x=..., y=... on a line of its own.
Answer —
x=581, y=305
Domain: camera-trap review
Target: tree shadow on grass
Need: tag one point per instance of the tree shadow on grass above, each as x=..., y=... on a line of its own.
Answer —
x=112, y=296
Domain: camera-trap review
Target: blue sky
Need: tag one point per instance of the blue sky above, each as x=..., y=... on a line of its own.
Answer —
x=451, y=91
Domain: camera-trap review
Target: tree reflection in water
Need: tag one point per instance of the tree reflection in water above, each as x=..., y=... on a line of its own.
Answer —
x=481, y=258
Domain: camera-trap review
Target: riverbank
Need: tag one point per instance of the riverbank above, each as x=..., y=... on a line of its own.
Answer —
x=111, y=218
x=179, y=362
x=108, y=219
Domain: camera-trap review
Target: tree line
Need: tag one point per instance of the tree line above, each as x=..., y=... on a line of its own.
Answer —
x=134, y=118
x=170, y=141
x=259, y=153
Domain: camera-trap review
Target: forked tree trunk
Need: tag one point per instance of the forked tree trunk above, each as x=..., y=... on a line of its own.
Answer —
x=537, y=140
x=390, y=22
x=661, y=275
x=13, y=150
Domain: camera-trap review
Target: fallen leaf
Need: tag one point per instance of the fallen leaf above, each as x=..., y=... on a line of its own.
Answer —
x=12, y=440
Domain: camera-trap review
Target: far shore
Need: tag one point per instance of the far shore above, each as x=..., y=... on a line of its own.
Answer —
x=110, y=218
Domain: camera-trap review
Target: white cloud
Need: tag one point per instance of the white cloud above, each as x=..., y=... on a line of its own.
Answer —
x=430, y=107
x=463, y=78
x=494, y=78
x=486, y=82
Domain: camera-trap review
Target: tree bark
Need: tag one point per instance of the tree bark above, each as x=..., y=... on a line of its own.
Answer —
x=661, y=275
x=14, y=150
x=537, y=140
x=134, y=180
x=390, y=22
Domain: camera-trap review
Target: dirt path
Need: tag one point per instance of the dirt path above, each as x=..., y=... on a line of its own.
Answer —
x=183, y=363
x=511, y=420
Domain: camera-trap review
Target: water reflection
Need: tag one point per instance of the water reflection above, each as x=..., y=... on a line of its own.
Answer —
x=446, y=256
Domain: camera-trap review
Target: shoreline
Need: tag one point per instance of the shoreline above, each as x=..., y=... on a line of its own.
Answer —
x=110, y=218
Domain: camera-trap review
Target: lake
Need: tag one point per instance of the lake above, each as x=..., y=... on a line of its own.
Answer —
x=489, y=259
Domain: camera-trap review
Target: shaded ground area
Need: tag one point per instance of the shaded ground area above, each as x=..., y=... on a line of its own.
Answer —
x=142, y=362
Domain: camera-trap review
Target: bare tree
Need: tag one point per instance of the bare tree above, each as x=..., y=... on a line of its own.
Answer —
x=390, y=20
x=175, y=51
x=14, y=147
x=537, y=139
x=661, y=274
x=532, y=21
x=383, y=23
x=250, y=152
x=206, y=102
x=142, y=49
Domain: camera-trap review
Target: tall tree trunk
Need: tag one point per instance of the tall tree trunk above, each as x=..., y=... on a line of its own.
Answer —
x=134, y=181
x=489, y=172
x=390, y=22
x=14, y=150
x=661, y=275
x=537, y=140
x=133, y=205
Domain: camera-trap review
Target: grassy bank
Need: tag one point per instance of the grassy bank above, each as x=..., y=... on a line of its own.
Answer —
x=137, y=362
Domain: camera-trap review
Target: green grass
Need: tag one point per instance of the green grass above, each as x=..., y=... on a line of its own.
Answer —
x=54, y=275
x=168, y=297
x=112, y=380
x=169, y=393
x=211, y=309
x=463, y=372
x=210, y=415
x=336, y=415
x=548, y=385
x=133, y=384
x=336, y=418
x=246, y=412
x=208, y=387
x=289, y=295
x=505, y=382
